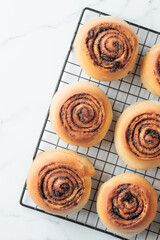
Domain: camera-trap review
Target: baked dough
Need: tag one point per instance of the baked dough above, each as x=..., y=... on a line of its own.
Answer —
x=106, y=48
x=59, y=181
x=137, y=135
x=81, y=114
x=127, y=204
x=150, y=70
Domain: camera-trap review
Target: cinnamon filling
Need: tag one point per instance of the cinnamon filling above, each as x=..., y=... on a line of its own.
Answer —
x=82, y=113
x=157, y=68
x=109, y=46
x=143, y=136
x=128, y=205
x=60, y=186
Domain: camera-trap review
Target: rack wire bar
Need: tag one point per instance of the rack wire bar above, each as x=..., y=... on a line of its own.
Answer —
x=107, y=163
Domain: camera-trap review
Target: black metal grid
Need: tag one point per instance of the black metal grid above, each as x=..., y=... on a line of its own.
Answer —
x=121, y=93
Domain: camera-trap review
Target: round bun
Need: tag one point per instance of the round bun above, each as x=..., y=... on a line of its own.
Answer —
x=137, y=135
x=81, y=114
x=59, y=181
x=150, y=70
x=106, y=48
x=127, y=204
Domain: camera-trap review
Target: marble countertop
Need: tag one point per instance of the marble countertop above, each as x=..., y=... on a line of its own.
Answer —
x=30, y=64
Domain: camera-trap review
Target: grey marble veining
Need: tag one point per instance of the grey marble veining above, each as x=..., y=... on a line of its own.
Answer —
x=30, y=64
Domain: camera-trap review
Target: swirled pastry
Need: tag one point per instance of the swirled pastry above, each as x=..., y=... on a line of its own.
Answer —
x=81, y=114
x=137, y=135
x=150, y=70
x=59, y=181
x=106, y=48
x=127, y=204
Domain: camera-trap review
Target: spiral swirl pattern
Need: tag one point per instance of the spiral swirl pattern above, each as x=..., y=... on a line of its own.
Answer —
x=82, y=113
x=128, y=204
x=109, y=46
x=60, y=186
x=143, y=136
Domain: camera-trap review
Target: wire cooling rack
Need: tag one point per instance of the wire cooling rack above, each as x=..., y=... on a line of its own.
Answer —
x=121, y=93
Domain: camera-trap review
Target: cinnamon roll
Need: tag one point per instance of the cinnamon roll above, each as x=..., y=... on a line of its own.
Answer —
x=127, y=204
x=137, y=135
x=150, y=70
x=106, y=48
x=81, y=114
x=59, y=181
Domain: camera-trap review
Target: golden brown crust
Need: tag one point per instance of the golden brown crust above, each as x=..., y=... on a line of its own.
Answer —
x=137, y=135
x=81, y=114
x=127, y=204
x=59, y=181
x=106, y=48
x=150, y=70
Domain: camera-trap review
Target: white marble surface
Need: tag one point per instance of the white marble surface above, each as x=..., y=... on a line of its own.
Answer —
x=30, y=64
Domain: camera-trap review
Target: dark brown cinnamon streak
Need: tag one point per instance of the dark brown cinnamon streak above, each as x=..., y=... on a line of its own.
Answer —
x=106, y=48
x=127, y=204
x=59, y=181
x=82, y=113
x=150, y=70
x=157, y=67
x=137, y=135
x=143, y=136
x=109, y=47
x=60, y=186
